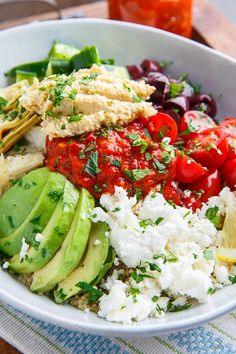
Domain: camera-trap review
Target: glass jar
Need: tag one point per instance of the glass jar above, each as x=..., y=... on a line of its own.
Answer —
x=170, y=15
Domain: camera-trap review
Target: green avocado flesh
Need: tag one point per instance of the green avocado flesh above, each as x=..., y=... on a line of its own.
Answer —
x=52, y=236
x=90, y=266
x=71, y=251
x=27, y=191
x=37, y=218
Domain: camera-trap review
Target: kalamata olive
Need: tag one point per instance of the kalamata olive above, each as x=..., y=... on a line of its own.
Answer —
x=173, y=115
x=162, y=85
x=179, y=104
x=150, y=66
x=205, y=103
x=135, y=71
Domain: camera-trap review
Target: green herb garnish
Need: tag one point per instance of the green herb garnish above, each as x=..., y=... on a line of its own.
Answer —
x=92, y=164
x=94, y=294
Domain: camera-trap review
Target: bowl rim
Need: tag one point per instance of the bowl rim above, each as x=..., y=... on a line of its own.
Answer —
x=116, y=329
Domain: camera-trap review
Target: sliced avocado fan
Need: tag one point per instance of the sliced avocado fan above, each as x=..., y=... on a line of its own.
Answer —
x=38, y=217
x=17, y=202
x=90, y=265
x=71, y=251
x=52, y=236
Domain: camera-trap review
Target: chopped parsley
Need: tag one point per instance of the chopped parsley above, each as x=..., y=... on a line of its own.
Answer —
x=55, y=195
x=58, y=93
x=133, y=137
x=211, y=291
x=155, y=298
x=142, y=143
x=87, y=79
x=144, y=223
x=136, y=99
x=164, y=63
x=154, y=267
x=176, y=89
x=126, y=87
x=136, y=174
x=148, y=156
x=190, y=129
x=134, y=292
x=94, y=294
x=157, y=165
x=232, y=279
x=146, y=132
x=139, y=277
x=170, y=257
x=176, y=308
x=116, y=163
x=75, y=117
x=212, y=215
x=61, y=295
x=35, y=220
x=92, y=164
x=159, y=220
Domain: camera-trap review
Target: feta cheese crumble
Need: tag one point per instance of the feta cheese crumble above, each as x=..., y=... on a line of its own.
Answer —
x=169, y=252
x=24, y=249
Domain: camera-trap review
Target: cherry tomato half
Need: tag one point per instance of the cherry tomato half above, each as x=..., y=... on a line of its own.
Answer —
x=194, y=122
x=188, y=170
x=171, y=193
x=228, y=126
x=229, y=173
x=161, y=126
x=206, y=187
x=209, y=147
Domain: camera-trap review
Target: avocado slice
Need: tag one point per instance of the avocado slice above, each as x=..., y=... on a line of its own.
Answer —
x=90, y=266
x=107, y=265
x=25, y=192
x=60, y=51
x=52, y=236
x=71, y=251
x=38, y=218
x=119, y=71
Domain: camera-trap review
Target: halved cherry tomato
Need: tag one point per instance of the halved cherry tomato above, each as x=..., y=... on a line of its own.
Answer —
x=228, y=126
x=194, y=122
x=188, y=170
x=162, y=126
x=229, y=173
x=171, y=193
x=209, y=147
x=206, y=187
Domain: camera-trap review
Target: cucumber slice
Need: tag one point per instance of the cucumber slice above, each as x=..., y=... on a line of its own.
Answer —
x=52, y=236
x=71, y=251
x=25, y=75
x=18, y=202
x=62, y=51
x=90, y=266
x=58, y=67
x=85, y=58
x=119, y=71
x=38, y=218
x=39, y=68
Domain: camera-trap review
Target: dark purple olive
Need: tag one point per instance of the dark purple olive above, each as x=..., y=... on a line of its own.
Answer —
x=151, y=66
x=162, y=85
x=173, y=115
x=179, y=104
x=205, y=103
x=135, y=71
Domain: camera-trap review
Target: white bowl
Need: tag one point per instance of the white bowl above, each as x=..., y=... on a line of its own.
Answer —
x=128, y=44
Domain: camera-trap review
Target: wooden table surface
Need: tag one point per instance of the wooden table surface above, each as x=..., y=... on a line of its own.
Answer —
x=210, y=27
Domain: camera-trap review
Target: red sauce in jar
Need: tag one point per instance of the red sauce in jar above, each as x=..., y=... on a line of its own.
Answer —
x=126, y=156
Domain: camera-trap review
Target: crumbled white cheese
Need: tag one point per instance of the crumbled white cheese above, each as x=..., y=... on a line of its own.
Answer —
x=38, y=237
x=86, y=310
x=168, y=249
x=5, y=265
x=24, y=249
x=97, y=242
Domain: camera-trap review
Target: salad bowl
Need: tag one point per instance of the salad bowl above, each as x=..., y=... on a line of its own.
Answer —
x=128, y=44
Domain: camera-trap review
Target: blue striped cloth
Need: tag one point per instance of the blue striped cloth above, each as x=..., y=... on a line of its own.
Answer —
x=32, y=336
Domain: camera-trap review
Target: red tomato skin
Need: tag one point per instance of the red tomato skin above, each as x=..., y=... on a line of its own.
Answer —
x=200, y=120
x=192, y=202
x=188, y=170
x=213, y=157
x=171, y=193
x=228, y=171
x=209, y=184
x=228, y=126
x=156, y=123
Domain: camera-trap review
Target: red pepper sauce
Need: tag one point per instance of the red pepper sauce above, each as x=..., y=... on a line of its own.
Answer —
x=124, y=156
